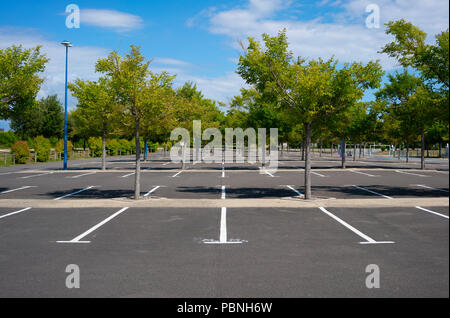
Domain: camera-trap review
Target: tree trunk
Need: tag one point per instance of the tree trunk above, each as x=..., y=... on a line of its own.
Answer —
x=137, y=176
x=321, y=148
x=440, y=149
x=308, y=161
x=399, y=151
x=360, y=150
x=103, y=152
x=422, y=159
x=407, y=152
x=344, y=155
x=303, y=149
x=354, y=152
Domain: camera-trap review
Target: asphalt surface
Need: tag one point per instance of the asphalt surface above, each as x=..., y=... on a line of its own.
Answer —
x=233, y=252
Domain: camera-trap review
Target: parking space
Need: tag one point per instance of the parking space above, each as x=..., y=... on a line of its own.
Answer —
x=252, y=251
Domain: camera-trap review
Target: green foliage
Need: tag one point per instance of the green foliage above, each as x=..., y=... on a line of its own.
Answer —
x=113, y=145
x=19, y=80
x=21, y=151
x=42, y=147
x=96, y=146
x=410, y=49
x=59, y=147
x=7, y=139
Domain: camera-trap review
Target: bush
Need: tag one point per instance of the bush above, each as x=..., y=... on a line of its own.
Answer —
x=21, y=151
x=59, y=147
x=7, y=139
x=383, y=148
x=96, y=145
x=53, y=141
x=113, y=146
x=42, y=147
x=125, y=145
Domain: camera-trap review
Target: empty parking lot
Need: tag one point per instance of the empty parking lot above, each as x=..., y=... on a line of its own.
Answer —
x=229, y=230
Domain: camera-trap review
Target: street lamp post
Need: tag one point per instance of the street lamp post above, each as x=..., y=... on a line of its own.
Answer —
x=67, y=45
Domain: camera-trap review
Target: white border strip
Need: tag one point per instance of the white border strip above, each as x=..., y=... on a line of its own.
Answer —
x=368, y=239
x=73, y=193
x=373, y=192
x=429, y=211
x=12, y=213
x=22, y=188
x=92, y=229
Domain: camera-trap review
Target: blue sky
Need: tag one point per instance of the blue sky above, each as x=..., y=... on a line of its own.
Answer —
x=199, y=40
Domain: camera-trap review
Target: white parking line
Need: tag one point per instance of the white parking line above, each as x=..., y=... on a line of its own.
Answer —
x=36, y=175
x=70, y=194
x=411, y=174
x=223, y=226
x=223, y=193
x=5, y=173
x=366, y=174
x=127, y=175
x=165, y=164
x=223, y=172
x=262, y=171
x=177, y=174
x=373, y=192
x=18, y=189
x=427, y=187
x=293, y=189
x=223, y=238
x=318, y=174
x=82, y=175
x=368, y=239
x=12, y=213
x=152, y=190
x=429, y=211
x=78, y=239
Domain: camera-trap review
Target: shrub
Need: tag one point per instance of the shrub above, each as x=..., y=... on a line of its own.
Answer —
x=59, y=147
x=53, y=141
x=96, y=145
x=124, y=146
x=113, y=146
x=42, y=147
x=21, y=151
x=383, y=148
x=7, y=139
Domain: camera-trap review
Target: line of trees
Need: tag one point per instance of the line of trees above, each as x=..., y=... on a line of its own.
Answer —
x=308, y=100
x=321, y=100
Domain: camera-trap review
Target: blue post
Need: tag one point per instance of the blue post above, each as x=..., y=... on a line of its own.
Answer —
x=65, y=114
x=146, y=149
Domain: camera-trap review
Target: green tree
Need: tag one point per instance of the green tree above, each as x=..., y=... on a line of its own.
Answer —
x=97, y=110
x=19, y=82
x=129, y=78
x=311, y=89
x=397, y=93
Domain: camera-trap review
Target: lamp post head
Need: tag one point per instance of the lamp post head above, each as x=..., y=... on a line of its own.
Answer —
x=66, y=44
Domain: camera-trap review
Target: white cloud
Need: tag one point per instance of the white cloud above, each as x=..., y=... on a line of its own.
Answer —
x=82, y=61
x=120, y=21
x=169, y=61
x=346, y=37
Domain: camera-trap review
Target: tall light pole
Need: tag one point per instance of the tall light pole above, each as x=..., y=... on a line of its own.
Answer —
x=67, y=45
